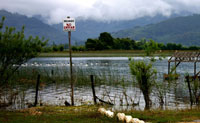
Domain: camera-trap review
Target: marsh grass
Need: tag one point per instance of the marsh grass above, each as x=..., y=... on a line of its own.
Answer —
x=25, y=79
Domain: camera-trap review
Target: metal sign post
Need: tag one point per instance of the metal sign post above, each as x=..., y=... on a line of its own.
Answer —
x=68, y=26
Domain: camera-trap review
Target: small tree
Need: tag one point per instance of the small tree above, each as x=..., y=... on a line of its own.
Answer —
x=151, y=47
x=15, y=50
x=145, y=77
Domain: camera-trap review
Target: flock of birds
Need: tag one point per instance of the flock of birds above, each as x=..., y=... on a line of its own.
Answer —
x=60, y=64
x=120, y=116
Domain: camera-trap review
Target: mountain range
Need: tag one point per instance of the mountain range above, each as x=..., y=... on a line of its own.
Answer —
x=91, y=29
x=33, y=27
x=184, y=30
x=85, y=29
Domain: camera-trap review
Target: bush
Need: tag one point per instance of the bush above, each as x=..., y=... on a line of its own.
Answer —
x=145, y=76
x=15, y=50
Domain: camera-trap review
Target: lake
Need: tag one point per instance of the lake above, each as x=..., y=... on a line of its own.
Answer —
x=113, y=82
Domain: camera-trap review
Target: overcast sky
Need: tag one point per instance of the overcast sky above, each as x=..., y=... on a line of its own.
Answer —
x=53, y=11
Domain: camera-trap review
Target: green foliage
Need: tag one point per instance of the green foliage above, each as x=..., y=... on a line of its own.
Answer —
x=107, y=40
x=78, y=48
x=61, y=47
x=145, y=76
x=94, y=44
x=123, y=44
x=139, y=45
x=150, y=47
x=54, y=48
x=193, y=48
x=15, y=50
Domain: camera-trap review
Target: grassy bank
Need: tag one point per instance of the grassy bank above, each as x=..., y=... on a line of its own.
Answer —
x=89, y=114
x=105, y=53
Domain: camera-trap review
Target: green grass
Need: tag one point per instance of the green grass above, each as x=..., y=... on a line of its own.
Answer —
x=166, y=116
x=81, y=114
x=105, y=53
x=89, y=114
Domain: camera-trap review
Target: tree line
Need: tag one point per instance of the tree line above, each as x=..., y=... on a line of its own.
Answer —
x=106, y=41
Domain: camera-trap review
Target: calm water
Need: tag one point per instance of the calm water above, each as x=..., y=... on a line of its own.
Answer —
x=110, y=68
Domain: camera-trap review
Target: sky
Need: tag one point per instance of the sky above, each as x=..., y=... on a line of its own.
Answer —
x=54, y=11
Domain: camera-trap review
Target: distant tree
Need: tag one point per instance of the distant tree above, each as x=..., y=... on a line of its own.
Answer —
x=61, y=47
x=126, y=44
x=81, y=48
x=107, y=40
x=74, y=48
x=151, y=47
x=90, y=44
x=55, y=48
x=134, y=45
x=193, y=48
x=15, y=50
x=173, y=46
x=78, y=48
x=117, y=44
x=47, y=49
x=140, y=44
x=161, y=46
x=94, y=44
x=99, y=45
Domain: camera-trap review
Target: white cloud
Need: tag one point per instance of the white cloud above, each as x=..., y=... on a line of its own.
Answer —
x=103, y=10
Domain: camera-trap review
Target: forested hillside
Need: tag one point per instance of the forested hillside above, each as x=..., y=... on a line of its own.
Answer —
x=183, y=30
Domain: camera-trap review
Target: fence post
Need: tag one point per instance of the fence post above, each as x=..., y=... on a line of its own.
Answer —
x=93, y=89
x=190, y=91
x=37, y=88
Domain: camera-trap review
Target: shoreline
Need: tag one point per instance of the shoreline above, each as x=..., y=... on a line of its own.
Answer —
x=106, y=53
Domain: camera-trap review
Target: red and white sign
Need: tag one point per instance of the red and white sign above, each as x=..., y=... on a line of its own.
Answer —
x=69, y=24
